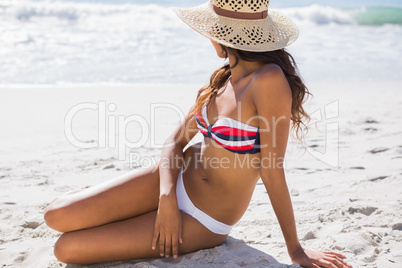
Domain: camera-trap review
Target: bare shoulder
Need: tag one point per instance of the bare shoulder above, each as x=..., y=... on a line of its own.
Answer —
x=269, y=84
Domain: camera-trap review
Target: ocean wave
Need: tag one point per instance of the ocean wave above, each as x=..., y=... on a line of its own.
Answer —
x=73, y=11
x=377, y=16
x=322, y=15
x=319, y=15
x=315, y=14
x=71, y=42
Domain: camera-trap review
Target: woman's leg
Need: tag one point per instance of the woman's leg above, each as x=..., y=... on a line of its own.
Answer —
x=126, y=196
x=129, y=239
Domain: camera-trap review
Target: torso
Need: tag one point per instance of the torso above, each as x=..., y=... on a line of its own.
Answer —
x=220, y=182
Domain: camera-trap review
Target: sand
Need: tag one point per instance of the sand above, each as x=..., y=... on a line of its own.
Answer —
x=345, y=186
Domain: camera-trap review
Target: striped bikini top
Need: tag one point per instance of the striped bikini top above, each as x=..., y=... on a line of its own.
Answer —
x=231, y=134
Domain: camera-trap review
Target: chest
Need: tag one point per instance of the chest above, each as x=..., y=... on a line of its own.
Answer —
x=232, y=103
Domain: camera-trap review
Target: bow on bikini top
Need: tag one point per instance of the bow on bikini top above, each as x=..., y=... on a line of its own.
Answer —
x=231, y=134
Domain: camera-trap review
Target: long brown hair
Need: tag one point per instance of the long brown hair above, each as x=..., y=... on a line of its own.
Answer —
x=280, y=57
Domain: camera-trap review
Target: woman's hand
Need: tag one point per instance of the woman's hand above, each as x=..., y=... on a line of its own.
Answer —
x=167, y=227
x=315, y=259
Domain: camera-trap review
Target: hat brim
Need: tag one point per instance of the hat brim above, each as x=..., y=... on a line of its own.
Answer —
x=272, y=33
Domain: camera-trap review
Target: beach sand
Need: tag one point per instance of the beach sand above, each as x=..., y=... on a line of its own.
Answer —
x=345, y=185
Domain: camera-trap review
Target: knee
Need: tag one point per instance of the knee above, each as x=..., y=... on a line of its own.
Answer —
x=64, y=249
x=55, y=216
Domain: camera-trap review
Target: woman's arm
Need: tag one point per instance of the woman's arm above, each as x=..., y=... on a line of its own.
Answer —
x=272, y=98
x=168, y=221
x=273, y=101
x=281, y=203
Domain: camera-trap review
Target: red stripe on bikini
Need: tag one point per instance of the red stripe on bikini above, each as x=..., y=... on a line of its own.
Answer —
x=204, y=132
x=231, y=131
x=201, y=119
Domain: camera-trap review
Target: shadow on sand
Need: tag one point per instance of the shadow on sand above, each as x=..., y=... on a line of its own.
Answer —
x=232, y=253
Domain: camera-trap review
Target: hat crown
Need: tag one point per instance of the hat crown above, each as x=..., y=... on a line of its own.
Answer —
x=249, y=6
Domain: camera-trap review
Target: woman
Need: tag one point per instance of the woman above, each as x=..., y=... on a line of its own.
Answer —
x=193, y=198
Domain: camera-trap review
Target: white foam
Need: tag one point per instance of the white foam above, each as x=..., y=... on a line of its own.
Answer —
x=318, y=15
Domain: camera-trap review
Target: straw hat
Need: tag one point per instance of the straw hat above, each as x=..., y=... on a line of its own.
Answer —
x=241, y=24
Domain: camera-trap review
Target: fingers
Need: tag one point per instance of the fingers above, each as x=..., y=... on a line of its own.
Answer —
x=168, y=245
x=328, y=264
x=161, y=244
x=180, y=237
x=155, y=239
x=333, y=263
x=168, y=240
x=337, y=261
x=175, y=246
x=336, y=258
x=176, y=239
x=336, y=254
x=172, y=245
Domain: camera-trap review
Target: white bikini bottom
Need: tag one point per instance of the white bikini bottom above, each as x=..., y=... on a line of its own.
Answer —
x=189, y=208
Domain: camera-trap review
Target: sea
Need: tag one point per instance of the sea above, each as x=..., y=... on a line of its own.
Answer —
x=139, y=41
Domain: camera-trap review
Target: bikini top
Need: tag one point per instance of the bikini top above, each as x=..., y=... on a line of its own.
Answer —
x=231, y=134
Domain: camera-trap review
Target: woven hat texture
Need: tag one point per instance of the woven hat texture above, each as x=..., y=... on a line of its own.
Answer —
x=273, y=32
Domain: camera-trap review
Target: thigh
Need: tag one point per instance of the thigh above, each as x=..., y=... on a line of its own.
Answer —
x=129, y=239
x=123, y=197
